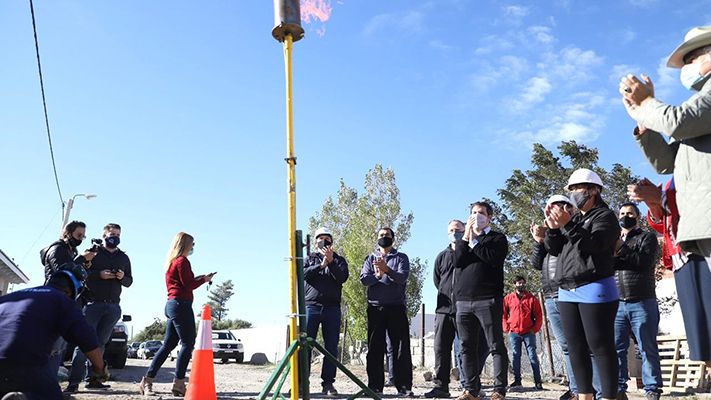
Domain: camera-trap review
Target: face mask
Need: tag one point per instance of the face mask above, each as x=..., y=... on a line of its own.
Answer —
x=454, y=236
x=385, y=242
x=521, y=288
x=190, y=253
x=580, y=198
x=691, y=76
x=628, y=222
x=482, y=221
x=323, y=243
x=74, y=242
x=112, y=242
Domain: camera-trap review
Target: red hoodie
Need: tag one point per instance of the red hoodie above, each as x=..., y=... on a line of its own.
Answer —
x=522, y=315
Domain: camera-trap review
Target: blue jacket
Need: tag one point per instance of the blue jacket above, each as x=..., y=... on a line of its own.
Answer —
x=31, y=320
x=323, y=286
x=390, y=288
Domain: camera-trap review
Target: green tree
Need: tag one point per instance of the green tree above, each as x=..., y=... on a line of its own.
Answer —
x=230, y=324
x=354, y=219
x=154, y=331
x=524, y=195
x=218, y=300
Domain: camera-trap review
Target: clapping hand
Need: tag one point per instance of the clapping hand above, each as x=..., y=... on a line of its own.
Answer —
x=538, y=232
x=556, y=216
x=327, y=253
x=645, y=191
x=636, y=91
x=380, y=267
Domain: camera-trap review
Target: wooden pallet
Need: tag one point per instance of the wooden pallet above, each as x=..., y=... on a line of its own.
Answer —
x=678, y=371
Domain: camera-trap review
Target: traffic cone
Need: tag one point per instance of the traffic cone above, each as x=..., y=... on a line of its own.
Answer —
x=202, y=374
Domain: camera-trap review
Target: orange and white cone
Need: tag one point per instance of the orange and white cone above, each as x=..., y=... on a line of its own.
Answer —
x=202, y=374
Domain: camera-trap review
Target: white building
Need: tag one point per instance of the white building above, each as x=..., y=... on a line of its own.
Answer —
x=10, y=273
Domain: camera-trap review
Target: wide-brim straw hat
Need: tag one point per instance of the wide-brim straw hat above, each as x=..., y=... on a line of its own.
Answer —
x=695, y=39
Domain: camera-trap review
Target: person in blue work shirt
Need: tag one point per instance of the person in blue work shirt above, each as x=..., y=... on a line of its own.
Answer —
x=385, y=273
x=324, y=275
x=31, y=320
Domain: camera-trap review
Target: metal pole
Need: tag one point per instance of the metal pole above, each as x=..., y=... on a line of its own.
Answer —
x=65, y=220
x=291, y=189
x=546, y=333
x=304, y=349
x=422, y=338
x=345, y=336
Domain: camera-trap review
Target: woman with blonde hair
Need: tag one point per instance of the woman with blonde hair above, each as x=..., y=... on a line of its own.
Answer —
x=180, y=327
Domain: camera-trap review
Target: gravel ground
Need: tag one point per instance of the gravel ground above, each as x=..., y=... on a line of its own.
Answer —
x=245, y=381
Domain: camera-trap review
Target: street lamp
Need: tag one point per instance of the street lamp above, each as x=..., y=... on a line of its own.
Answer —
x=70, y=204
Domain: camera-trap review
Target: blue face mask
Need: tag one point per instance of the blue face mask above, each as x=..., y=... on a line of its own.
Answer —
x=191, y=252
x=691, y=76
x=454, y=236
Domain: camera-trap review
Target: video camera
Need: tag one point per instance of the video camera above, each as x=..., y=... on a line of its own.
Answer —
x=95, y=244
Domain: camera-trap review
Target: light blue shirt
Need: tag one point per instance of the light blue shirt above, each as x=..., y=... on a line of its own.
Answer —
x=602, y=291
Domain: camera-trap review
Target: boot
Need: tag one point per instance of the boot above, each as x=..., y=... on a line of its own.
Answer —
x=179, y=387
x=146, y=387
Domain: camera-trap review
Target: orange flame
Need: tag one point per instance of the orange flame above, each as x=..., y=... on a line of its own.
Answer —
x=318, y=10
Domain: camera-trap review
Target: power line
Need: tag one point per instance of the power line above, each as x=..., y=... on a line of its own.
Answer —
x=44, y=102
x=40, y=236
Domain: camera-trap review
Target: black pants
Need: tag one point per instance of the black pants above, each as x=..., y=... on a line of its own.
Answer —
x=472, y=316
x=391, y=321
x=445, y=333
x=591, y=328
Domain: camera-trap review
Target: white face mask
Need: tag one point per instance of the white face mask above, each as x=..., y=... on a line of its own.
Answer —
x=482, y=221
x=691, y=76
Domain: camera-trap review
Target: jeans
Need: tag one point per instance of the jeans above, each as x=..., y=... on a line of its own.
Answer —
x=472, y=316
x=329, y=317
x=529, y=339
x=180, y=327
x=55, y=360
x=642, y=319
x=557, y=327
x=38, y=382
x=102, y=317
x=390, y=321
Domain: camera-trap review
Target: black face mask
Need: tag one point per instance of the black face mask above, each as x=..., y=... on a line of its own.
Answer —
x=323, y=243
x=628, y=222
x=385, y=242
x=112, y=242
x=580, y=198
x=520, y=288
x=74, y=242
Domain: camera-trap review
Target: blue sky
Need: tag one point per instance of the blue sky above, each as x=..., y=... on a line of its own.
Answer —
x=173, y=114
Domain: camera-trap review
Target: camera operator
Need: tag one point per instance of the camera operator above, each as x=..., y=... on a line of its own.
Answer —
x=111, y=270
x=64, y=250
x=30, y=322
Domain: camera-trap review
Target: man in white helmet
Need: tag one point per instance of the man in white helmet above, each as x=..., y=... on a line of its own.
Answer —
x=688, y=153
x=324, y=275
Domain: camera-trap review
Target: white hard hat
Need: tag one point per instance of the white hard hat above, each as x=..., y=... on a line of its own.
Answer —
x=584, y=175
x=323, y=231
x=559, y=198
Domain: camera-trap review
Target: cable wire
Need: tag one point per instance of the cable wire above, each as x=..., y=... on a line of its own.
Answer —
x=40, y=236
x=44, y=102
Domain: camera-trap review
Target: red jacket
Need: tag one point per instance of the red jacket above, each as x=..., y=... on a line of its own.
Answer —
x=522, y=315
x=180, y=281
x=673, y=256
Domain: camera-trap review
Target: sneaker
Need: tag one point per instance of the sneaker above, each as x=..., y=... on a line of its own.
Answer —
x=438, y=393
x=389, y=383
x=329, y=390
x=567, y=396
x=96, y=385
x=405, y=393
x=621, y=395
x=652, y=395
x=466, y=395
x=539, y=386
x=14, y=396
x=73, y=388
x=515, y=384
x=498, y=396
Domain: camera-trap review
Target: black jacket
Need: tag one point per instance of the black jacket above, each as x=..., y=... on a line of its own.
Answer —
x=634, y=266
x=479, y=271
x=444, y=281
x=323, y=286
x=56, y=254
x=108, y=289
x=546, y=263
x=585, y=247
